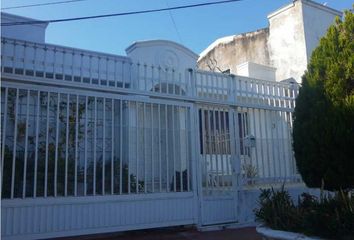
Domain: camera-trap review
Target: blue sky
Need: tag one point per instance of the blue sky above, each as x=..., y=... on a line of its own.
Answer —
x=197, y=27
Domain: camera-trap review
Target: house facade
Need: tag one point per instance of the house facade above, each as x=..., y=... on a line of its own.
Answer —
x=93, y=142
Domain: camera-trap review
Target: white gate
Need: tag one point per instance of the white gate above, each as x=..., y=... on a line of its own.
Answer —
x=218, y=166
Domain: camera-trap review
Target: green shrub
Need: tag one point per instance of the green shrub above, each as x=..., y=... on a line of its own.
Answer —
x=329, y=216
x=323, y=130
x=277, y=210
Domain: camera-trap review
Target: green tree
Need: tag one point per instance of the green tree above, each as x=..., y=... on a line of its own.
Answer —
x=324, y=114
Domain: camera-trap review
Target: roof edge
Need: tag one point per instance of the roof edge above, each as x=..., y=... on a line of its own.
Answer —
x=16, y=18
x=225, y=40
x=305, y=2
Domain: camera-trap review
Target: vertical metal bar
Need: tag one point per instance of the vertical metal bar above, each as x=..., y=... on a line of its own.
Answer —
x=26, y=143
x=15, y=143
x=152, y=148
x=107, y=78
x=180, y=83
x=216, y=154
x=4, y=135
x=152, y=78
x=159, y=79
x=121, y=146
x=173, y=80
x=63, y=65
x=255, y=136
x=45, y=62
x=86, y=136
x=54, y=58
x=261, y=137
x=247, y=91
x=288, y=136
x=173, y=147
x=73, y=65
x=112, y=148
x=159, y=142
x=266, y=126
x=90, y=69
x=14, y=55
x=180, y=147
x=99, y=70
x=282, y=139
x=130, y=143
x=243, y=133
x=81, y=66
x=145, y=77
x=76, y=143
x=46, y=148
x=115, y=77
x=137, y=146
x=24, y=59
x=104, y=146
x=276, y=120
x=235, y=155
x=67, y=143
x=220, y=152
x=159, y=146
x=227, y=141
x=205, y=167
x=167, y=157
x=94, y=146
x=123, y=79
x=137, y=77
x=187, y=121
x=271, y=113
x=131, y=73
x=36, y=144
x=144, y=128
x=291, y=134
x=210, y=147
x=56, y=148
x=34, y=58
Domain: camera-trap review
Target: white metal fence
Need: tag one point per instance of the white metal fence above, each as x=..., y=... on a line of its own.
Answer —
x=62, y=144
x=101, y=134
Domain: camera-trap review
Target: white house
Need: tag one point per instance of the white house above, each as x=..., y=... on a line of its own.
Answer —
x=93, y=142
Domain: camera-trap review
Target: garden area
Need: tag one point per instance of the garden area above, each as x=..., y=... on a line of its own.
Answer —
x=323, y=143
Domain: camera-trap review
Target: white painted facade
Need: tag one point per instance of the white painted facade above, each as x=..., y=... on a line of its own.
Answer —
x=93, y=142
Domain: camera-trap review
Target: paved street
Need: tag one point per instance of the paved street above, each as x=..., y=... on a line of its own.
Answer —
x=248, y=233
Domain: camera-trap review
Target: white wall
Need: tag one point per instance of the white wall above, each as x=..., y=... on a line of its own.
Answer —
x=294, y=32
x=287, y=42
x=29, y=32
x=254, y=70
x=162, y=53
x=169, y=60
x=317, y=19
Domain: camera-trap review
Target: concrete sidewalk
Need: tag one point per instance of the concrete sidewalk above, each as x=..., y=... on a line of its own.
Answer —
x=247, y=233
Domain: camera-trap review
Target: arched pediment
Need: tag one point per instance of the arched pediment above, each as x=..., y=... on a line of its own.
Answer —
x=163, y=53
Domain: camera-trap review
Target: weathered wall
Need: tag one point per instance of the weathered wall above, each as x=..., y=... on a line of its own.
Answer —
x=294, y=31
x=229, y=52
x=287, y=42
